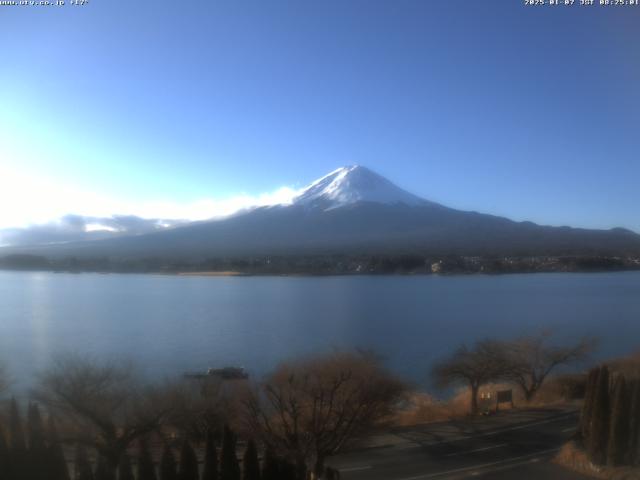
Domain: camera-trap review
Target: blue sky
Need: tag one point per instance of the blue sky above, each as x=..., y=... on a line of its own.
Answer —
x=165, y=108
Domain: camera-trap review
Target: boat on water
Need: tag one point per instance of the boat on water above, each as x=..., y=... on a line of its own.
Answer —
x=224, y=373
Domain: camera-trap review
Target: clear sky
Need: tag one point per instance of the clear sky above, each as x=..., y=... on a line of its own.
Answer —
x=172, y=108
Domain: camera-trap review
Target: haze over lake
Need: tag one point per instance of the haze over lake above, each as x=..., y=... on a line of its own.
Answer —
x=170, y=324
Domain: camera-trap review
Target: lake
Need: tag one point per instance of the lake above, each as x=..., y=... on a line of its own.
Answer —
x=171, y=324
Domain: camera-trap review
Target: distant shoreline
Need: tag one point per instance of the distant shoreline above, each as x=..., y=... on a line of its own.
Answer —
x=211, y=274
x=328, y=265
x=234, y=274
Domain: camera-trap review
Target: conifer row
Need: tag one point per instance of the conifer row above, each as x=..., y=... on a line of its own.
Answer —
x=31, y=451
x=35, y=452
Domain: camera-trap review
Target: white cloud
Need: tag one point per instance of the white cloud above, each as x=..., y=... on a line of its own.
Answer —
x=30, y=200
x=212, y=208
x=98, y=227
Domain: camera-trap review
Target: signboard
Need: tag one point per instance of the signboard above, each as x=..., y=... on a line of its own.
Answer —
x=504, y=396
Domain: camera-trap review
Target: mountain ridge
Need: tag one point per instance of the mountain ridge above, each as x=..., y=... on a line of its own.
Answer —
x=353, y=210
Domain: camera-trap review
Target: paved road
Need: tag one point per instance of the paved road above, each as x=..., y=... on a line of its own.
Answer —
x=511, y=445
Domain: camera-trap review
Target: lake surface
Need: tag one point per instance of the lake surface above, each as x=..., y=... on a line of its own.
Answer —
x=170, y=324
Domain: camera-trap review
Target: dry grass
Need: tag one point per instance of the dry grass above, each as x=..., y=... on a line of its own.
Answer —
x=573, y=457
x=425, y=408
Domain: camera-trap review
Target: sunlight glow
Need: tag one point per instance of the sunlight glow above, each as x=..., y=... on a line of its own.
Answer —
x=29, y=200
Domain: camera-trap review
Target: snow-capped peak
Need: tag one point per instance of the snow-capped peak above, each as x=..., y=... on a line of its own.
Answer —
x=348, y=185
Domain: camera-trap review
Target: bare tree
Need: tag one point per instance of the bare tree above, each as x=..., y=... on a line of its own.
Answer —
x=104, y=405
x=310, y=409
x=475, y=366
x=531, y=359
x=199, y=407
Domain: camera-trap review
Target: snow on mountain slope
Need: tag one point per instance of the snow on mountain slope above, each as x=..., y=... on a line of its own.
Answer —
x=349, y=185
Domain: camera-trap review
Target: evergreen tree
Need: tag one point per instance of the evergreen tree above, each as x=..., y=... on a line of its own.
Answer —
x=229, y=466
x=587, y=407
x=16, y=434
x=617, y=449
x=250, y=462
x=210, y=470
x=58, y=468
x=188, y=462
x=288, y=471
x=125, y=471
x=270, y=466
x=168, y=469
x=634, y=424
x=332, y=474
x=599, y=430
x=103, y=470
x=18, y=461
x=146, y=469
x=82, y=470
x=300, y=471
x=37, y=455
x=35, y=429
x=4, y=456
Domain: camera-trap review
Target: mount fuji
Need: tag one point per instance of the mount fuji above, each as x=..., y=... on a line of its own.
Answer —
x=349, y=185
x=352, y=210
